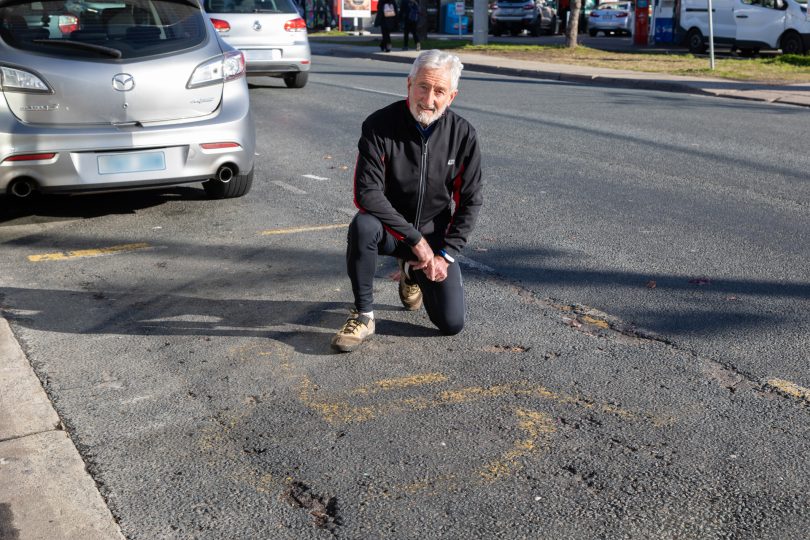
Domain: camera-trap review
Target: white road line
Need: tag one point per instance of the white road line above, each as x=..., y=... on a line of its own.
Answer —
x=288, y=187
x=395, y=94
x=313, y=177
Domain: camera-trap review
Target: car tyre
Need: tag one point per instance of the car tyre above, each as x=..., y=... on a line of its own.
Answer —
x=296, y=80
x=694, y=40
x=497, y=31
x=238, y=186
x=792, y=44
x=592, y=32
x=536, y=28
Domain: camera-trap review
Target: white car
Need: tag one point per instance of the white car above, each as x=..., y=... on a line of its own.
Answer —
x=271, y=34
x=611, y=18
x=747, y=25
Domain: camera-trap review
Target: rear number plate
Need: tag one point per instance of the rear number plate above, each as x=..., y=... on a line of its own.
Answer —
x=129, y=163
x=258, y=55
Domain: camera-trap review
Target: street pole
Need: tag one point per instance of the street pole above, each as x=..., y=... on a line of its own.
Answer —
x=480, y=22
x=711, y=37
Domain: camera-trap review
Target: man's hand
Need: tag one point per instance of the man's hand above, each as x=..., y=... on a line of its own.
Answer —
x=436, y=270
x=424, y=254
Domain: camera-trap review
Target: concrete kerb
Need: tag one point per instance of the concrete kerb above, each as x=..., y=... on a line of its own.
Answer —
x=45, y=490
x=798, y=95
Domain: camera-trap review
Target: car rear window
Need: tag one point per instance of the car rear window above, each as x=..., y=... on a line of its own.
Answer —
x=112, y=29
x=249, y=6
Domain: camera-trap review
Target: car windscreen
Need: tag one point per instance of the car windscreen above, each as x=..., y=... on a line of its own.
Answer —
x=112, y=29
x=249, y=6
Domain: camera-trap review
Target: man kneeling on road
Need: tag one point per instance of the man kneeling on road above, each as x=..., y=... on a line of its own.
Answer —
x=417, y=186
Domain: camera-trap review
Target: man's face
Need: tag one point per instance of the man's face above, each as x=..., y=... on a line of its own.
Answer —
x=429, y=94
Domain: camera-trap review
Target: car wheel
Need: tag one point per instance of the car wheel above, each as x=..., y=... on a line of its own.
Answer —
x=296, y=80
x=239, y=185
x=536, y=28
x=496, y=30
x=694, y=40
x=792, y=44
x=515, y=32
x=592, y=32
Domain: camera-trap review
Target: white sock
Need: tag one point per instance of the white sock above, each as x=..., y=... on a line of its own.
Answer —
x=370, y=315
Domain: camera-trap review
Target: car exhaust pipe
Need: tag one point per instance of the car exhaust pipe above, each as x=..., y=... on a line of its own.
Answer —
x=22, y=188
x=225, y=173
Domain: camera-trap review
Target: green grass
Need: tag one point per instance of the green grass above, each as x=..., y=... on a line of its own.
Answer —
x=777, y=69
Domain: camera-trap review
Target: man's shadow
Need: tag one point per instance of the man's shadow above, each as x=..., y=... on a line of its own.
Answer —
x=306, y=326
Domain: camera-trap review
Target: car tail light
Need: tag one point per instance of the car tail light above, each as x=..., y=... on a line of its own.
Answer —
x=30, y=157
x=68, y=23
x=295, y=25
x=228, y=67
x=528, y=7
x=594, y=14
x=219, y=145
x=221, y=26
x=18, y=80
x=621, y=14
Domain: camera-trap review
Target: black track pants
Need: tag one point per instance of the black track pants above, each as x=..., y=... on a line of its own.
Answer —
x=367, y=238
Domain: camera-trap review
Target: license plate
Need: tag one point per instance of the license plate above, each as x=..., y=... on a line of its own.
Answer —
x=259, y=55
x=132, y=162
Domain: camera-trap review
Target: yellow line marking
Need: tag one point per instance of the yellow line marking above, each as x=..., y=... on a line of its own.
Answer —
x=292, y=230
x=401, y=382
x=535, y=425
x=61, y=256
x=791, y=389
x=337, y=411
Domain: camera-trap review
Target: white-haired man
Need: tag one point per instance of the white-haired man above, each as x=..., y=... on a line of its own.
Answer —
x=417, y=186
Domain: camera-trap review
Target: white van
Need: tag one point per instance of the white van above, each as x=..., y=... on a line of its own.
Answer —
x=747, y=25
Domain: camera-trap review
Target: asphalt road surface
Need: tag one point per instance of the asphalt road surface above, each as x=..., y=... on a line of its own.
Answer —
x=635, y=363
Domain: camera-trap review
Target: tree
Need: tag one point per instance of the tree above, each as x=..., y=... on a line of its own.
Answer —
x=573, y=25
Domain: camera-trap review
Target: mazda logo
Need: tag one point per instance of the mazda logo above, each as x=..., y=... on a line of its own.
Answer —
x=123, y=82
x=257, y=26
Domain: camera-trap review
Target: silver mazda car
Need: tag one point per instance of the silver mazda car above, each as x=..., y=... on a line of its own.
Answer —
x=120, y=94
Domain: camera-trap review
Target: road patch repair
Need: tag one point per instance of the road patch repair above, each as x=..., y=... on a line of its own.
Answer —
x=45, y=491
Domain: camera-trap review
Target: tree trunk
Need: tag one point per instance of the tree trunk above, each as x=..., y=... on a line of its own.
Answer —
x=573, y=25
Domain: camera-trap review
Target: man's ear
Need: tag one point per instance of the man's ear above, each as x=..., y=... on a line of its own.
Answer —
x=452, y=97
x=409, y=85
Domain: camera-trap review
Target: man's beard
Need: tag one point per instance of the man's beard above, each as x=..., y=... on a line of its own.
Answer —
x=426, y=118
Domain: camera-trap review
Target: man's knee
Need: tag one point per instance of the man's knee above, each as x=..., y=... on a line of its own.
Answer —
x=365, y=227
x=451, y=326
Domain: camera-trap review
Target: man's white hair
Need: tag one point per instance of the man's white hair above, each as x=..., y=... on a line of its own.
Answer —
x=436, y=59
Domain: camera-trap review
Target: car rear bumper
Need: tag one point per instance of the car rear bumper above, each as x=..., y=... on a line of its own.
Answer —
x=88, y=158
x=289, y=59
x=609, y=25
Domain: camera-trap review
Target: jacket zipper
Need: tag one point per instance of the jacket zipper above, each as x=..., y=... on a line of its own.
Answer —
x=422, y=184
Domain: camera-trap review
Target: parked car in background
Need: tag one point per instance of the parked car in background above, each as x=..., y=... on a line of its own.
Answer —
x=748, y=25
x=271, y=33
x=138, y=95
x=611, y=18
x=515, y=16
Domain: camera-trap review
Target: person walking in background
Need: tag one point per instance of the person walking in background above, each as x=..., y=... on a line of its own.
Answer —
x=387, y=17
x=410, y=20
x=418, y=190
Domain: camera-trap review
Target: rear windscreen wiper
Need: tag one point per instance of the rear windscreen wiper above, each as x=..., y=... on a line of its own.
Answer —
x=109, y=51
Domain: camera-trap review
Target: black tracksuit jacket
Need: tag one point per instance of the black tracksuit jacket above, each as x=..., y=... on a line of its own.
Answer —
x=418, y=187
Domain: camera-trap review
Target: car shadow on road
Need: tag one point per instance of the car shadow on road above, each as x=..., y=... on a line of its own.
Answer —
x=44, y=208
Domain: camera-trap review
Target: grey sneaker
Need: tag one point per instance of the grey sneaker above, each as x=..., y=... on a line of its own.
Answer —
x=355, y=331
x=409, y=292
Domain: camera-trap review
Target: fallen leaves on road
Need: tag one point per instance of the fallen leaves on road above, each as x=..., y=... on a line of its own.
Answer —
x=323, y=514
x=505, y=348
x=651, y=284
